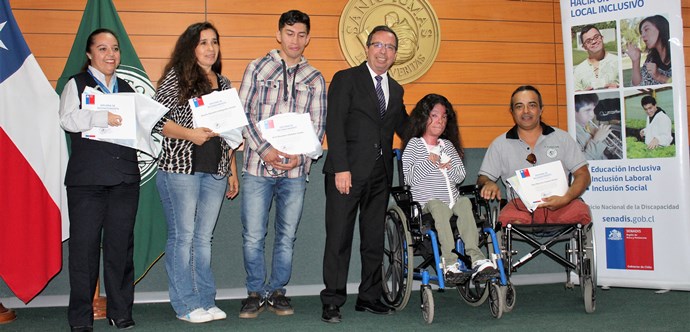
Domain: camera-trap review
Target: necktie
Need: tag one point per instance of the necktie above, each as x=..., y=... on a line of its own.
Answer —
x=381, y=96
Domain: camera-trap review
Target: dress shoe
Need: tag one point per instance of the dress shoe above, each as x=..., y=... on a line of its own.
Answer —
x=82, y=328
x=375, y=307
x=122, y=323
x=331, y=313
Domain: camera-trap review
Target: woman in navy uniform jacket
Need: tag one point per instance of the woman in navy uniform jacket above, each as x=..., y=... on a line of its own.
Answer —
x=102, y=182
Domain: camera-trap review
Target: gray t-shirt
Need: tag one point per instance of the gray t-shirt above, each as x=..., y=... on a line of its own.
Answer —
x=508, y=153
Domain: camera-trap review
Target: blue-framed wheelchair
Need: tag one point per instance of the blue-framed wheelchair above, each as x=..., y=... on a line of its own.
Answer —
x=411, y=252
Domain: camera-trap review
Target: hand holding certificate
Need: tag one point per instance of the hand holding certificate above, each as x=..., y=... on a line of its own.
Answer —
x=535, y=183
x=222, y=112
x=139, y=114
x=120, y=104
x=291, y=133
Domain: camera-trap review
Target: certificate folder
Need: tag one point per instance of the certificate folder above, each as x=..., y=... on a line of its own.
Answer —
x=534, y=183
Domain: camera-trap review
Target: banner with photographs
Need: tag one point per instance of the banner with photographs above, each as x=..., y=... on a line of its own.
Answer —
x=627, y=109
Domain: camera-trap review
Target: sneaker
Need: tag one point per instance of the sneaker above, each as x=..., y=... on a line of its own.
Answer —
x=453, y=274
x=279, y=304
x=252, y=306
x=484, y=270
x=198, y=315
x=217, y=313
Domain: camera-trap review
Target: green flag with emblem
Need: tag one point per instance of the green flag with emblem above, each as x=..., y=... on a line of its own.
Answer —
x=150, y=230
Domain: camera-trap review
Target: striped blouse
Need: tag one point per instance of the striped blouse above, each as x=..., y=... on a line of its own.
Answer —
x=425, y=179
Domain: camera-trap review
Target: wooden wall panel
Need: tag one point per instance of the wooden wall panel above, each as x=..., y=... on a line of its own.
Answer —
x=275, y=8
x=491, y=52
x=158, y=24
x=492, y=31
x=186, y=6
x=487, y=48
x=47, y=21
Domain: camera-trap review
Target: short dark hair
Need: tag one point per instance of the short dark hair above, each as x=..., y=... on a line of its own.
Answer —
x=646, y=100
x=526, y=88
x=293, y=16
x=382, y=28
x=585, y=29
x=586, y=99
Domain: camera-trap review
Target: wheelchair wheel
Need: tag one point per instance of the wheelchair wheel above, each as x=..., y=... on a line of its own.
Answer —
x=427, y=304
x=588, y=275
x=496, y=298
x=510, y=297
x=398, y=260
x=588, y=294
x=474, y=293
x=591, y=254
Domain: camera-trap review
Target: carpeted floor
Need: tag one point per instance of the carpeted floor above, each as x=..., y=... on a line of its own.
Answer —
x=538, y=308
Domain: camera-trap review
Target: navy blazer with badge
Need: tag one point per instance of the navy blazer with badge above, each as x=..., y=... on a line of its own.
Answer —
x=354, y=128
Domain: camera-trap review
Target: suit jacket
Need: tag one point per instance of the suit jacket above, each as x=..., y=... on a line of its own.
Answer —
x=354, y=128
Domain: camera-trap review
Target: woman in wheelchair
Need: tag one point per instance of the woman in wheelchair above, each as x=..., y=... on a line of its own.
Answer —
x=433, y=168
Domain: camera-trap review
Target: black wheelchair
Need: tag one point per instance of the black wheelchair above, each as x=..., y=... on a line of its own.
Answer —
x=579, y=259
x=409, y=233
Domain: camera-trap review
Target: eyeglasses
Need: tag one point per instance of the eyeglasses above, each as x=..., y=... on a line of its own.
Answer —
x=590, y=41
x=531, y=158
x=380, y=45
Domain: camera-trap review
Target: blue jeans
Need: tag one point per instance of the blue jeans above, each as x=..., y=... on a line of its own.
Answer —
x=191, y=204
x=258, y=196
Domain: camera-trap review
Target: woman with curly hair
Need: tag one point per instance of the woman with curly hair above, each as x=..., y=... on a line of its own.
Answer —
x=195, y=168
x=432, y=165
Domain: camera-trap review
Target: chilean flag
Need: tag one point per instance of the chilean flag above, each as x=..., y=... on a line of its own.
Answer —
x=198, y=101
x=33, y=159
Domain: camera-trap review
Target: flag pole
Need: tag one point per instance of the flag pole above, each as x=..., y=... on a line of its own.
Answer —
x=6, y=315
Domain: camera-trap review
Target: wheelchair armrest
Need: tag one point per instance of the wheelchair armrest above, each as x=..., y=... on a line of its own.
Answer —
x=468, y=189
x=400, y=188
x=402, y=195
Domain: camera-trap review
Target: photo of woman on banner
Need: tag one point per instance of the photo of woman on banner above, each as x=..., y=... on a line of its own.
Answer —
x=653, y=33
x=595, y=56
x=598, y=125
x=649, y=124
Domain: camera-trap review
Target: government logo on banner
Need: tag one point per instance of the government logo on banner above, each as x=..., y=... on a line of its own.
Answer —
x=629, y=248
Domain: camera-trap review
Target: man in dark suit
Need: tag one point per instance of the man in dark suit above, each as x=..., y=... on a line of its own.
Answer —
x=365, y=106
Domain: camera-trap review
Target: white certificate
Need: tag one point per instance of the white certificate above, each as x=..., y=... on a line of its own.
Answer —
x=541, y=181
x=220, y=111
x=292, y=133
x=515, y=185
x=122, y=105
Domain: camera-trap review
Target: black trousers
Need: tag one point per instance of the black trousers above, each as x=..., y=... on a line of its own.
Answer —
x=370, y=197
x=101, y=215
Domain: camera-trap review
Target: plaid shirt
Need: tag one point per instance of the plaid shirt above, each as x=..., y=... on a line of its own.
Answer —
x=264, y=94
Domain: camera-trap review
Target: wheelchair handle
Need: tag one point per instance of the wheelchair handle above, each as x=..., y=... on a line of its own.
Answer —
x=397, y=154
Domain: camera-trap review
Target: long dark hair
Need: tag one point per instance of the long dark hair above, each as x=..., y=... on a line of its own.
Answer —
x=661, y=24
x=416, y=126
x=192, y=79
x=90, y=41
